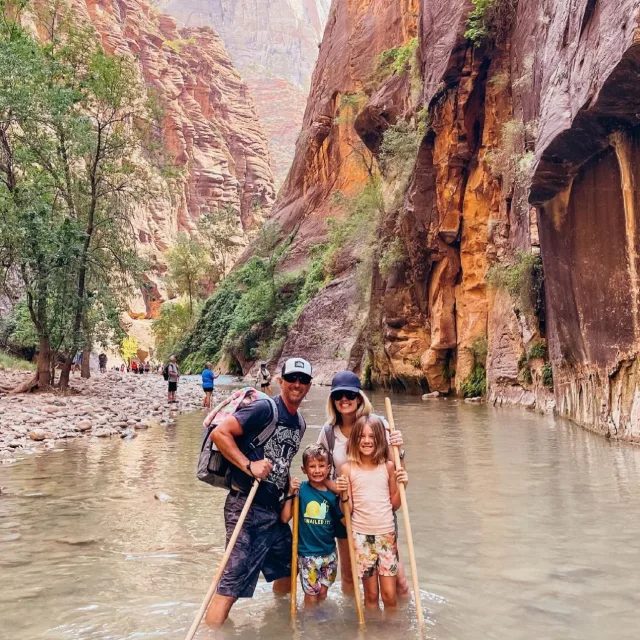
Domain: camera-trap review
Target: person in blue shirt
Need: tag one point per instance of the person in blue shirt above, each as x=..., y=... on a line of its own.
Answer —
x=208, y=378
x=319, y=514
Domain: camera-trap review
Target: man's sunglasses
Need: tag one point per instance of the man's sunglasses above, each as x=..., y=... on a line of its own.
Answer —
x=302, y=378
x=349, y=395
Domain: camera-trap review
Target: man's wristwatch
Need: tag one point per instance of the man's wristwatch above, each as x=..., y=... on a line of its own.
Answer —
x=248, y=468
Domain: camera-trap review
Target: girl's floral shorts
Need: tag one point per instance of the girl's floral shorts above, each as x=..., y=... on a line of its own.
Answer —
x=316, y=571
x=376, y=554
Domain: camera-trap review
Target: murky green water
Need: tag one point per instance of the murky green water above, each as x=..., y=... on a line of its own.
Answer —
x=525, y=528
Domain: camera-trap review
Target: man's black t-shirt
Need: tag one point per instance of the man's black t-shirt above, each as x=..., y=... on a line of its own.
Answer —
x=281, y=447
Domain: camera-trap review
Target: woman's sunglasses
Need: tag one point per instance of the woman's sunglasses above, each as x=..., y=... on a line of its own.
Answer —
x=349, y=395
x=292, y=378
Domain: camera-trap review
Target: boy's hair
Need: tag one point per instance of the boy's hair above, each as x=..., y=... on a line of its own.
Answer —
x=316, y=452
x=381, y=453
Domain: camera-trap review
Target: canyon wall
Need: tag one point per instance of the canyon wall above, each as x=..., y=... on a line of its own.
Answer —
x=209, y=149
x=503, y=260
x=274, y=45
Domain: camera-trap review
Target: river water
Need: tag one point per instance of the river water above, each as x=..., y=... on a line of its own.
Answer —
x=525, y=527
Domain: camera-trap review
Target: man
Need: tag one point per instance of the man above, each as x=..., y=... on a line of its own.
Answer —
x=264, y=543
x=102, y=361
x=173, y=375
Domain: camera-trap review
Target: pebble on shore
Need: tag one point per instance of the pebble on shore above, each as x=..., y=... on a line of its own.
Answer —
x=106, y=405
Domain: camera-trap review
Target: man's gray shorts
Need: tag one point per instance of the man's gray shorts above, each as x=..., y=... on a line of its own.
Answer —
x=264, y=544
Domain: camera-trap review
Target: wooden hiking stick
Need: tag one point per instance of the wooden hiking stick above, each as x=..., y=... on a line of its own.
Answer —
x=294, y=558
x=407, y=522
x=223, y=563
x=352, y=560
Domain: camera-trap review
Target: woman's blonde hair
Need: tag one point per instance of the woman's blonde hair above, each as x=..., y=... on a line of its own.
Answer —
x=381, y=453
x=335, y=418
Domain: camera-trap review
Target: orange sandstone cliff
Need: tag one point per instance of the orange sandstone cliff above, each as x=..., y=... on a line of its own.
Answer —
x=505, y=258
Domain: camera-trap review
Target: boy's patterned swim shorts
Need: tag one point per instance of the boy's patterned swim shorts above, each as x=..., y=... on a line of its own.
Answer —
x=376, y=554
x=316, y=571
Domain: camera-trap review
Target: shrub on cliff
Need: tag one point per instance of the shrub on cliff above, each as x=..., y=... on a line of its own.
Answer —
x=523, y=279
x=475, y=384
x=490, y=20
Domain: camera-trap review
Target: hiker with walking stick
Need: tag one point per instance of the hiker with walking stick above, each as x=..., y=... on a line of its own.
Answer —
x=264, y=542
x=374, y=494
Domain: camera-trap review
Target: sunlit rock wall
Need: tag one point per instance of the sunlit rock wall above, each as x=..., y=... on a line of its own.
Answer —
x=209, y=131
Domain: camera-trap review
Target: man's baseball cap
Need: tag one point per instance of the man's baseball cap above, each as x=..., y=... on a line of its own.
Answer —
x=296, y=365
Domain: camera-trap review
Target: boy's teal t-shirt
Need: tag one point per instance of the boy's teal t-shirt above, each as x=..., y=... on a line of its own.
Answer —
x=319, y=511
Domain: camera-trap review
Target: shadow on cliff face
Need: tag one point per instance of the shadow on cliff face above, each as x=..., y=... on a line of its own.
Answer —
x=587, y=189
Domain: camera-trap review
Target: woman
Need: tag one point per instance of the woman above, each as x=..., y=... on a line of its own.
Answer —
x=264, y=379
x=208, y=378
x=346, y=403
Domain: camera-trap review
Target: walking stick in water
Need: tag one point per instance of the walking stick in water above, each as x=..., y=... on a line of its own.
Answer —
x=407, y=522
x=294, y=557
x=223, y=563
x=352, y=561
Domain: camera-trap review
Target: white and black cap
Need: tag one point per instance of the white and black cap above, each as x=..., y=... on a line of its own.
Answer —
x=296, y=365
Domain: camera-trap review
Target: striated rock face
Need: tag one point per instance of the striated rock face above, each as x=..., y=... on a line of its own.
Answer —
x=274, y=44
x=212, y=141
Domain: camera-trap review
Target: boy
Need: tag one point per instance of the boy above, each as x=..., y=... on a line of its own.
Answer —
x=319, y=512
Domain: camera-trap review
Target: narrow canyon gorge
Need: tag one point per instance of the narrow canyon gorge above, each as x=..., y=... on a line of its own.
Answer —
x=504, y=245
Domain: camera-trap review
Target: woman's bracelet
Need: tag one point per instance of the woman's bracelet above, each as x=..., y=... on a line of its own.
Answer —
x=291, y=497
x=343, y=501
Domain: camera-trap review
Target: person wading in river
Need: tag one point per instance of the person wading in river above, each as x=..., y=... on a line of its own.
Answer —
x=264, y=543
x=346, y=403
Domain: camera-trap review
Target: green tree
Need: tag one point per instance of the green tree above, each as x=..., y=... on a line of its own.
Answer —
x=174, y=323
x=188, y=268
x=222, y=235
x=67, y=182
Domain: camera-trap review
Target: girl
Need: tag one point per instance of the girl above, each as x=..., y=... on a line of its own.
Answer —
x=374, y=495
x=346, y=403
x=208, y=378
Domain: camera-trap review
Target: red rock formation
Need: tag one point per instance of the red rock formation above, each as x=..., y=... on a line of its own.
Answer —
x=209, y=128
x=274, y=45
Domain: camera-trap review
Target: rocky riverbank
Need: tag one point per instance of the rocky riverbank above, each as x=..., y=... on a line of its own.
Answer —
x=111, y=404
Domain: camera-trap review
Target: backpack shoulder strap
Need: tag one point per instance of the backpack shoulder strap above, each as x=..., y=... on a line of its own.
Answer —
x=329, y=435
x=267, y=432
x=302, y=423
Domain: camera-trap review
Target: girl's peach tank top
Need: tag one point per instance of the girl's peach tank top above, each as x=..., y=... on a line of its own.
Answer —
x=372, y=511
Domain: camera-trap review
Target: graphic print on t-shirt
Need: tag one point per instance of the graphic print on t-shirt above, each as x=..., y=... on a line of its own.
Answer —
x=280, y=449
x=316, y=511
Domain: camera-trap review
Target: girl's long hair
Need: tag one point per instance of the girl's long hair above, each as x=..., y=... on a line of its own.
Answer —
x=334, y=417
x=381, y=452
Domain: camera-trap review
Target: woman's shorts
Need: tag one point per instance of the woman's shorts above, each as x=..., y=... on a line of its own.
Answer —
x=376, y=554
x=207, y=389
x=173, y=386
x=316, y=571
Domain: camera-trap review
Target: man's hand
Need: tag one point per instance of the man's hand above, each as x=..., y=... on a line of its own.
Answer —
x=261, y=468
x=294, y=485
x=395, y=438
x=342, y=483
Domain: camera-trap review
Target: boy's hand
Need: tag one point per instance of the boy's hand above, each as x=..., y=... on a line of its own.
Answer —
x=402, y=477
x=395, y=438
x=342, y=483
x=294, y=485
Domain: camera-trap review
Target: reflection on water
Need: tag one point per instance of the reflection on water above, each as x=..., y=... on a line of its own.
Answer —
x=525, y=528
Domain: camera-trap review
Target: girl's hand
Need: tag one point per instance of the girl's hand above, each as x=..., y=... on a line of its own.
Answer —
x=294, y=485
x=402, y=477
x=342, y=483
x=395, y=438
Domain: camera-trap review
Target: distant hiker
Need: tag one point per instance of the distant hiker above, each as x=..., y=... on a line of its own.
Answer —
x=374, y=495
x=264, y=543
x=102, y=361
x=122, y=368
x=172, y=372
x=345, y=404
x=264, y=379
x=147, y=366
x=134, y=367
x=208, y=378
x=320, y=512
